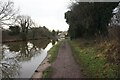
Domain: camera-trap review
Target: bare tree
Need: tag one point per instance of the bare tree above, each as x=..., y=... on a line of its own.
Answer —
x=25, y=22
x=7, y=12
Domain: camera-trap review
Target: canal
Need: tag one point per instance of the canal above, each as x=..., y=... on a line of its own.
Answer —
x=21, y=59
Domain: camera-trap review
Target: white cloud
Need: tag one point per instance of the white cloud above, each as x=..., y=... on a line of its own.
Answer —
x=49, y=13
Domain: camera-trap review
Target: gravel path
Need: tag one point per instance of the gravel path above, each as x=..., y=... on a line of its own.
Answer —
x=65, y=65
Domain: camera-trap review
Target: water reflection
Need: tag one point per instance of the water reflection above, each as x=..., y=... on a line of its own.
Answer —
x=20, y=59
x=9, y=64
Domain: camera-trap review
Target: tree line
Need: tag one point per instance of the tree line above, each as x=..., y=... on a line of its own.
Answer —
x=19, y=25
x=98, y=24
x=89, y=19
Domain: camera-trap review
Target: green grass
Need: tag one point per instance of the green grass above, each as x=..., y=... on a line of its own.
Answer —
x=47, y=72
x=92, y=60
x=53, y=54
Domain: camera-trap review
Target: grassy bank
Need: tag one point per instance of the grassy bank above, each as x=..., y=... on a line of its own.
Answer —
x=92, y=58
x=53, y=54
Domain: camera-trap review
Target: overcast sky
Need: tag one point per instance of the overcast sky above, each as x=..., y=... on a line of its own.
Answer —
x=49, y=13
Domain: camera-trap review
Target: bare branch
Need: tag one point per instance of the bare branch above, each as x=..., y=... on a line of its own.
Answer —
x=25, y=22
x=7, y=11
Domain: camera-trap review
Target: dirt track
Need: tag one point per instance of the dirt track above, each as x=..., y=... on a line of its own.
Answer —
x=65, y=65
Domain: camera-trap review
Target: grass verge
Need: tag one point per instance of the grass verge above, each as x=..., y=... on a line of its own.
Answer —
x=53, y=54
x=47, y=72
x=90, y=56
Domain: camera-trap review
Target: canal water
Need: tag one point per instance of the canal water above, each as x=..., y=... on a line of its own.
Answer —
x=21, y=59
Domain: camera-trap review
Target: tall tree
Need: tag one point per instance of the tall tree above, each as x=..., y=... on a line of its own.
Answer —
x=88, y=19
x=25, y=22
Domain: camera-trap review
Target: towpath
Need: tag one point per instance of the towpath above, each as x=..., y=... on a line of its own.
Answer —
x=65, y=66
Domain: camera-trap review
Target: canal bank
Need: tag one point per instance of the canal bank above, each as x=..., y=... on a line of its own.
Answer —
x=93, y=58
x=44, y=69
